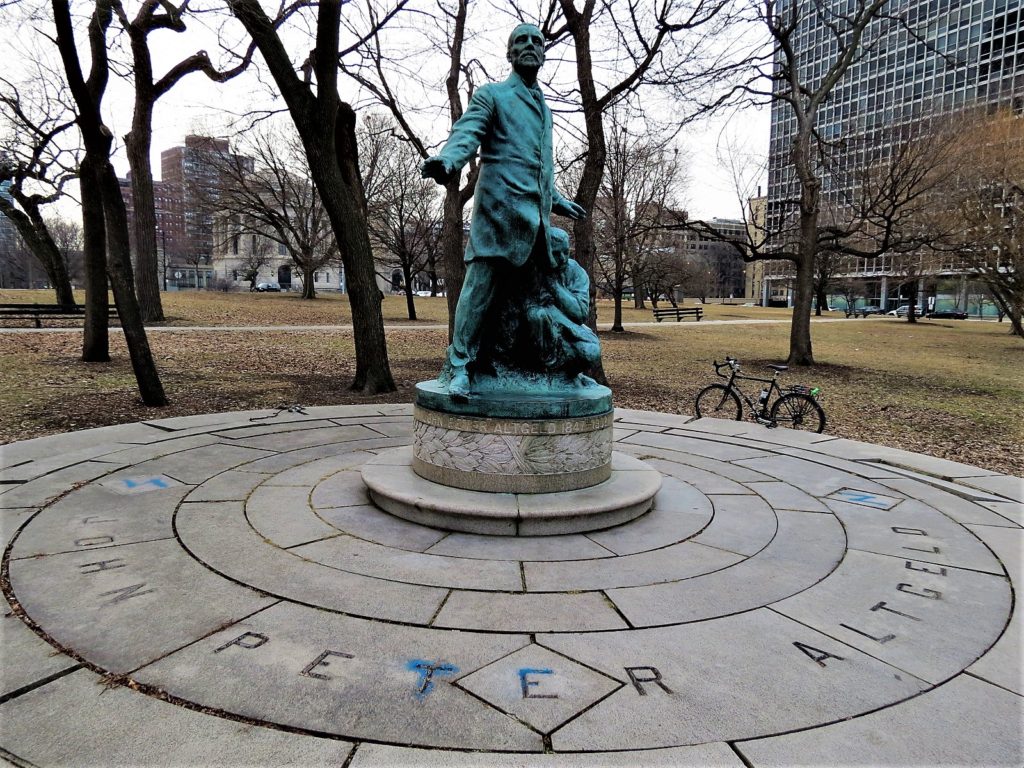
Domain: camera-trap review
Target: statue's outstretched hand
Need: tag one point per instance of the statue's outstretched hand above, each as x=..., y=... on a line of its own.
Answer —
x=569, y=208
x=436, y=168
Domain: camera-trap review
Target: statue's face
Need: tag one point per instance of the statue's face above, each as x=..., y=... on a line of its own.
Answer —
x=526, y=47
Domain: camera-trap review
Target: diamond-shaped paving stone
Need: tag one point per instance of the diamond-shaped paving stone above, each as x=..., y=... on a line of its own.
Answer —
x=540, y=687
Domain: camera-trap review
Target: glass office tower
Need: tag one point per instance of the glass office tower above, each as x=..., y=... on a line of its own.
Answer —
x=946, y=56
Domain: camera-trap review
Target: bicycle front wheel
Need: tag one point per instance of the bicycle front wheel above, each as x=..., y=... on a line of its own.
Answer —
x=717, y=401
x=798, y=411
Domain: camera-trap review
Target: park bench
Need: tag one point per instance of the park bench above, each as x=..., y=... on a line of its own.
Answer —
x=660, y=313
x=37, y=312
x=863, y=312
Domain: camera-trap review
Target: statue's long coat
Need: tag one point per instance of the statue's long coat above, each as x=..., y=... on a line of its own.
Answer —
x=511, y=125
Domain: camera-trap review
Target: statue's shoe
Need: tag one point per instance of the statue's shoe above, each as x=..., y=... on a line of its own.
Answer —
x=459, y=385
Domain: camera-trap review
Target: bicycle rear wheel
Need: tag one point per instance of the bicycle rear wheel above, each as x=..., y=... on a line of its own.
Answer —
x=798, y=411
x=717, y=401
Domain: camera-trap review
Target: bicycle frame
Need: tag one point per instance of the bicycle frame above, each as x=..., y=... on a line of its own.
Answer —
x=758, y=410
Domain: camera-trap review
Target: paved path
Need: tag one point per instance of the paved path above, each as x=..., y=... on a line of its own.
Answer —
x=218, y=590
x=387, y=327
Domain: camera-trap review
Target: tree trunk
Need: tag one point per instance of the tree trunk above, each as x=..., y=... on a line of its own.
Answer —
x=450, y=245
x=36, y=236
x=800, y=352
x=327, y=128
x=308, y=280
x=617, y=316
x=341, y=190
x=96, y=331
x=120, y=268
x=147, y=272
x=821, y=300
x=410, y=303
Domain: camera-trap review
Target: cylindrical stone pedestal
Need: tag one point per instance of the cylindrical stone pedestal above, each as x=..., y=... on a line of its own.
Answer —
x=512, y=455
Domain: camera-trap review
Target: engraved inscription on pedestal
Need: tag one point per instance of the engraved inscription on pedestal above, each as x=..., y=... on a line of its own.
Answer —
x=512, y=455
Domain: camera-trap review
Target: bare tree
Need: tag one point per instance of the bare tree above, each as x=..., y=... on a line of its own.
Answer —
x=404, y=217
x=985, y=200
x=105, y=221
x=38, y=157
x=623, y=49
x=67, y=236
x=254, y=258
x=266, y=189
x=380, y=73
x=327, y=128
x=154, y=15
x=640, y=176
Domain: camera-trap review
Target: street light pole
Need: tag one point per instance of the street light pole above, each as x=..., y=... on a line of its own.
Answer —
x=163, y=251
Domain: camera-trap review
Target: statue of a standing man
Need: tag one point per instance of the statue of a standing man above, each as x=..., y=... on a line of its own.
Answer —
x=515, y=193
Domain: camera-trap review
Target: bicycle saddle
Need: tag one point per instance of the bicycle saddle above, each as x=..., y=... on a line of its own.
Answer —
x=779, y=368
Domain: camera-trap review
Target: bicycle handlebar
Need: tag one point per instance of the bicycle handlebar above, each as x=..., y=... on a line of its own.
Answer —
x=731, y=362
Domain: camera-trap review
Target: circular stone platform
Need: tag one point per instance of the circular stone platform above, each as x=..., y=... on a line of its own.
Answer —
x=220, y=589
x=394, y=487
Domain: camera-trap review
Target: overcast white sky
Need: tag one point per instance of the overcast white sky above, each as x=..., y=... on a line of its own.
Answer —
x=199, y=106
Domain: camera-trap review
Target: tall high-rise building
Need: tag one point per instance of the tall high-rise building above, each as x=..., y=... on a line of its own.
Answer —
x=8, y=235
x=190, y=172
x=945, y=56
x=185, y=199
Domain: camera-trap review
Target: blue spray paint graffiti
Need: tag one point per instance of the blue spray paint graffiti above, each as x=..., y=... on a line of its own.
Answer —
x=525, y=683
x=154, y=481
x=426, y=671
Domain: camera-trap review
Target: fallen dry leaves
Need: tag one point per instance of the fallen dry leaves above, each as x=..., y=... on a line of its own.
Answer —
x=945, y=388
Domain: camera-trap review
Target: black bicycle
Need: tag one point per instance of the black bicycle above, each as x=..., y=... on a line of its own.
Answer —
x=795, y=407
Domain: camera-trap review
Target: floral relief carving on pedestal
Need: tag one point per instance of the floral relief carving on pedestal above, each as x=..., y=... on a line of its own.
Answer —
x=511, y=454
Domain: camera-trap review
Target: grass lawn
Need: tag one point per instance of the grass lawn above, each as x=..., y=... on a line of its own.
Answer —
x=947, y=388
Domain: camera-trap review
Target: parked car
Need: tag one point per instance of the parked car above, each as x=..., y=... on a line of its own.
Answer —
x=903, y=310
x=947, y=314
x=268, y=288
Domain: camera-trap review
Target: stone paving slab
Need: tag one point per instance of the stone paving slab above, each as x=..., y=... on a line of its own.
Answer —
x=1001, y=665
x=915, y=531
x=741, y=524
x=806, y=548
x=962, y=511
x=11, y=521
x=282, y=515
x=218, y=535
x=703, y=756
x=124, y=606
x=738, y=661
x=940, y=621
x=988, y=732
x=791, y=598
x=233, y=485
x=653, y=418
x=27, y=658
x=434, y=570
x=529, y=612
x=680, y=512
x=78, y=720
x=263, y=428
x=574, y=546
x=346, y=676
x=678, y=561
x=322, y=434
x=365, y=521
x=1009, y=510
x=43, y=490
x=94, y=518
x=1010, y=487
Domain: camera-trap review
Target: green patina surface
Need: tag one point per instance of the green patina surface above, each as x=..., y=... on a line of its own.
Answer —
x=520, y=343
x=497, y=400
